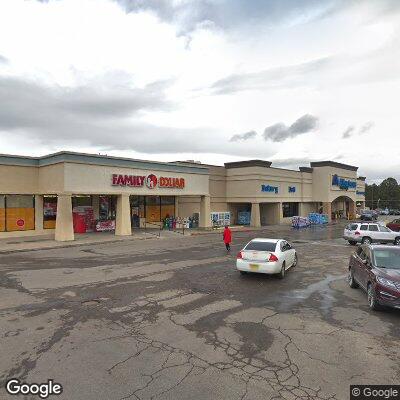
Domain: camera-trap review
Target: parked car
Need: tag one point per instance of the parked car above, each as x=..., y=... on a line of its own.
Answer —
x=394, y=212
x=394, y=225
x=368, y=232
x=385, y=211
x=368, y=215
x=266, y=256
x=376, y=269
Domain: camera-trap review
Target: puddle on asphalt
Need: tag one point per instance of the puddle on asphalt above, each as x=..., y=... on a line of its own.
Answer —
x=322, y=288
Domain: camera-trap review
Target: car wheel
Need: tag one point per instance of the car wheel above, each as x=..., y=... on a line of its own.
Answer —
x=282, y=274
x=397, y=241
x=372, y=301
x=366, y=240
x=352, y=242
x=296, y=260
x=350, y=279
x=243, y=272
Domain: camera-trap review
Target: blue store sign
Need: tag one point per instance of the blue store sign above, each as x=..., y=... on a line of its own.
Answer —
x=360, y=193
x=268, y=188
x=344, y=184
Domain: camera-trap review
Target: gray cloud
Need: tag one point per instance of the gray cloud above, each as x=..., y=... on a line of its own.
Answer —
x=348, y=132
x=229, y=14
x=31, y=104
x=239, y=14
x=280, y=132
x=243, y=136
x=3, y=60
x=105, y=115
x=285, y=76
x=244, y=14
x=351, y=130
x=366, y=127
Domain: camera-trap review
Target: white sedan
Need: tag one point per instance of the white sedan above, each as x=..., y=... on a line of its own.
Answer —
x=266, y=256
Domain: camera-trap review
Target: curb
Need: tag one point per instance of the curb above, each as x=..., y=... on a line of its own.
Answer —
x=66, y=246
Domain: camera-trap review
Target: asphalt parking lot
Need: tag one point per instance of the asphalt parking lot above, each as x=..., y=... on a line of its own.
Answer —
x=171, y=318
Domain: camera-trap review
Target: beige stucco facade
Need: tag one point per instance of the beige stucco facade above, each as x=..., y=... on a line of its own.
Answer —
x=271, y=195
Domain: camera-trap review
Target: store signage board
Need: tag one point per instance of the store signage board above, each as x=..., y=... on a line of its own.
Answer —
x=268, y=188
x=342, y=183
x=150, y=181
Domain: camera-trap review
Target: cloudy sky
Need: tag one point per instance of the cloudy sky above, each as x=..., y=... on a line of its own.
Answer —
x=290, y=81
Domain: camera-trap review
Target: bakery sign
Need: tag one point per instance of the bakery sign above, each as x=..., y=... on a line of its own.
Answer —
x=150, y=181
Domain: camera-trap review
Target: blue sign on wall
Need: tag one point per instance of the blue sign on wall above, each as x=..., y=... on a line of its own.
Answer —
x=344, y=184
x=360, y=193
x=268, y=188
x=292, y=189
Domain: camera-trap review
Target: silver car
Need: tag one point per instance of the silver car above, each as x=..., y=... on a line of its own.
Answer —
x=369, y=232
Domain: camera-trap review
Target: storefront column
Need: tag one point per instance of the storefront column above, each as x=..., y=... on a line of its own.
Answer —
x=96, y=206
x=327, y=209
x=123, y=219
x=176, y=206
x=205, y=212
x=64, y=224
x=38, y=213
x=352, y=210
x=255, y=220
x=302, y=211
x=279, y=214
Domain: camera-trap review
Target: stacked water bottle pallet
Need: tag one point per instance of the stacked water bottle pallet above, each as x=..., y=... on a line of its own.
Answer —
x=318, y=219
x=300, y=222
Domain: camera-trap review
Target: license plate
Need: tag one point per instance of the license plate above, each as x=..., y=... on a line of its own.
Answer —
x=253, y=266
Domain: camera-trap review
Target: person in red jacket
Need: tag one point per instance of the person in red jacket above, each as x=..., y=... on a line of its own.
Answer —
x=227, y=236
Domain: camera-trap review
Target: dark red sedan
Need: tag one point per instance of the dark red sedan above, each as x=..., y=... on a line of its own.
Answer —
x=376, y=269
x=394, y=225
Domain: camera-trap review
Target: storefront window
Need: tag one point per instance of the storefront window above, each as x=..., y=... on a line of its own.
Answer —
x=78, y=201
x=153, y=212
x=20, y=213
x=290, y=209
x=107, y=208
x=2, y=214
x=49, y=212
x=137, y=209
x=167, y=206
x=153, y=208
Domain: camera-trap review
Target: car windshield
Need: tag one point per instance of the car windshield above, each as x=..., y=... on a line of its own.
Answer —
x=261, y=246
x=387, y=258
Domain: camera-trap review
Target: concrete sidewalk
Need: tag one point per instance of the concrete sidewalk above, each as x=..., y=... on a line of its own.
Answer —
x=42, y=242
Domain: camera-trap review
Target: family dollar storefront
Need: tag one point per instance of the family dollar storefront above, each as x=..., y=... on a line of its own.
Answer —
x=70, y=193
x=67, y=193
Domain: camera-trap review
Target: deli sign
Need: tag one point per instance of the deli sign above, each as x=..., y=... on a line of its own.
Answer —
x=151, y=181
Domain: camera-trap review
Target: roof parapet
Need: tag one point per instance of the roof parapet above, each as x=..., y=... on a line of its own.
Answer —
x=333, y=164
x=248, y=163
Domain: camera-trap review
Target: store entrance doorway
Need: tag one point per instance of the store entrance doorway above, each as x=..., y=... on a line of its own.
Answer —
x=151, y=209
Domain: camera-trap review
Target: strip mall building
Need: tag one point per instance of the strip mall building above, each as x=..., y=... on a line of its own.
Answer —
x=39, y=195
